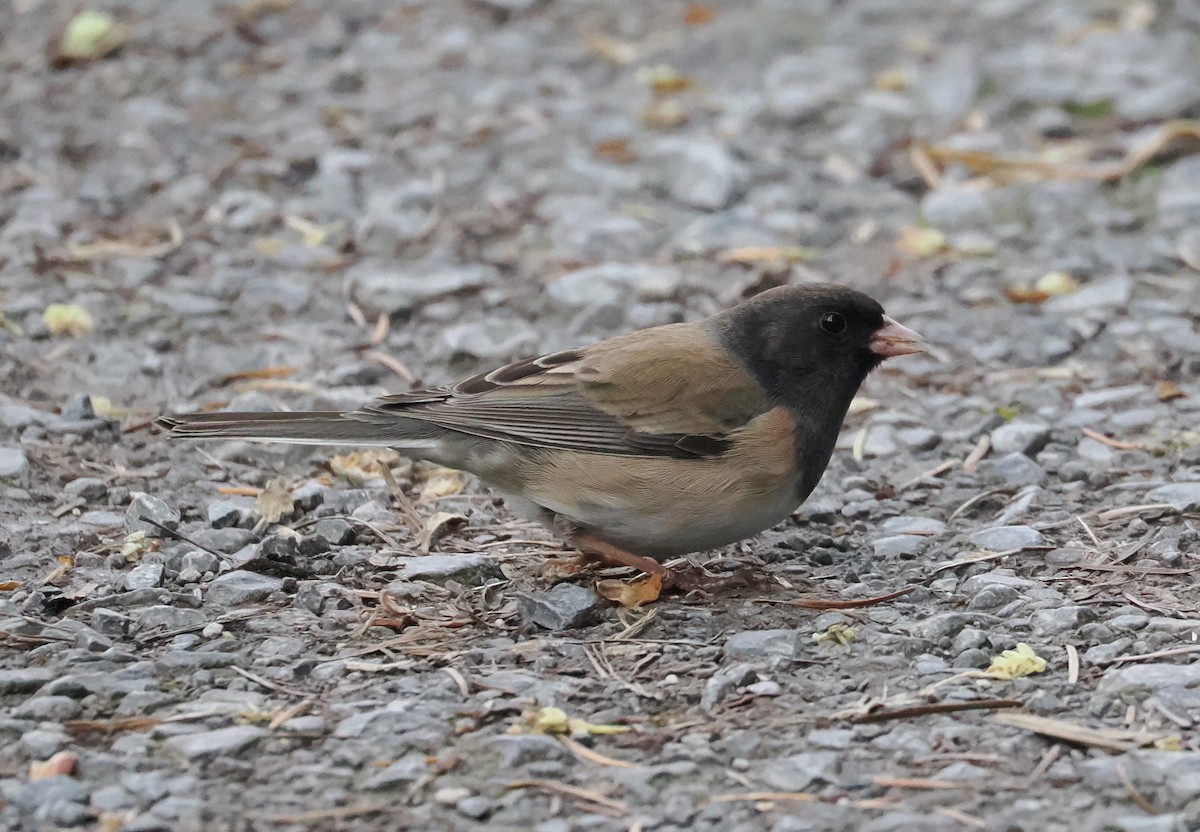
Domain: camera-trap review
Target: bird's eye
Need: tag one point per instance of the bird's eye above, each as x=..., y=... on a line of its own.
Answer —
x=833, y=323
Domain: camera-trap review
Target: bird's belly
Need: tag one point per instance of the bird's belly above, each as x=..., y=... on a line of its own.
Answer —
x=661, y=510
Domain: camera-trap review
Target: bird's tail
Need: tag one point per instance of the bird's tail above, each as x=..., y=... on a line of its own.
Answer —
x=300, y=428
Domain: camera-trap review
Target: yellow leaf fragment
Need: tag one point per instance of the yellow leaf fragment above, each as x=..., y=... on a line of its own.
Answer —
x=360, y=467
x=440, y=524
x=1015, y=663
x=841, y=634
x=91, y=35
x=274, y=501
x=68, y=319
x=922, y=242
x=9, y=586
x=135, y=545
x=1171, y=743
x=1168, y=391
x=664, y=79
x=552, y=721
x=631, y=594
x=1056, y=284
x=750, y=255
x=63, y=762
x=441, y=482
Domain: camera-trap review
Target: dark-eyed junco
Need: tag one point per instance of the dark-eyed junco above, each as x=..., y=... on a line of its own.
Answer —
x=669, y=440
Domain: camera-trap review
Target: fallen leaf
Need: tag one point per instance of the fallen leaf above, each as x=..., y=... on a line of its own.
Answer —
x=1023, y=294
x=751, y=255
x=896, y=79
x=664, y=115
x=1168, y=391
x=631, y=594
x=552, y=720
x=441, y=523
x=664, y=79
x=90, y=35
x=1056, y=284
x=68, y=319
x=9, y=586
x=922, y=242
x=137, y=544
x=1013, y=664
x=698, y=15
x=615, y=150
x=126, y=250
x=360, y=467
x=441, y=482
x=842, y=634
x=274, y=501
x=64, y=762
x=1171, y=743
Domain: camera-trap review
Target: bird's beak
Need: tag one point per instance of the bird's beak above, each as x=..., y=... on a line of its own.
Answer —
x=892, y=339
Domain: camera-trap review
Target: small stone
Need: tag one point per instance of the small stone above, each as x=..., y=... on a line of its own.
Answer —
x=223, y=514
x=200, y=562
x=919, y=439
x=144, y=575
x=993, y=596
x=1095, y=452
x=612, y=283
x=799, y=86
x=477, y=807
x=955, y=207
x=47, y=708
x=393, y=290
x=24, y=679
x=240, y=587
x=1018, y=436
x=1136, y=681
x=147, y=506
x=698, y=173
x=110, y=622
x=403, y=772
x=799, y=772
x=163, y=617
x=1004, y=538
x=213, y=629
x=564, y=607
x=338, y=532
x=758, y=645
x=1058, y=620
x=1015, y=470
x=907, y=525
x=515, y=750
x=86, y=488
x=724, y=682
x=449, y=795
x=13, y=462
x=469, y=570
x=1184, y=496
x=901, y=545
x=766, y=688
x=1112, y=293
x=496, y=338
x=226, y=541
x=207, y=744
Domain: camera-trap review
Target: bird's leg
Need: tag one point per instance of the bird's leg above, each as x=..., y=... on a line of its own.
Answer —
x=598, y=551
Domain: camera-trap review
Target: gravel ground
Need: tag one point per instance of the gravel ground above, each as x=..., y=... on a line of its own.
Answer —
x=240, y=195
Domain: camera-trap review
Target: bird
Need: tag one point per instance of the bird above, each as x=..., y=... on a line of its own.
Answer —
x=647, y=446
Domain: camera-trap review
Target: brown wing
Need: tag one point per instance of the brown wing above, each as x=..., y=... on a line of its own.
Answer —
x=670, y=391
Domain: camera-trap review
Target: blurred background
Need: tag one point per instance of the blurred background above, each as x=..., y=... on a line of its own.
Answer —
x=232, y=187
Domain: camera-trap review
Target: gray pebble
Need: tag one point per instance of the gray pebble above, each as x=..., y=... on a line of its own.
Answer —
x=759, y=645
x=725, y=681
x=240, y=587
x=48, y=708
x=1004, y=538
x=469, y=570
x=163, y=617
x=901, y=545
x=86, y=488
x=564, y=607
x=208, y=744
x=1056, y=620
x=1020, y=436
x=148, y=506
x=1014, y=470
x=392, y=290
x=613, y=283
x=799, y=772
x=1185, y=496
x=13, y=462
x=144, y=576
x=24, y=679
x=1136, y=681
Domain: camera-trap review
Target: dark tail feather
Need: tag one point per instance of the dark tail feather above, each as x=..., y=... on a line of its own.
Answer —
x=303, y=428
